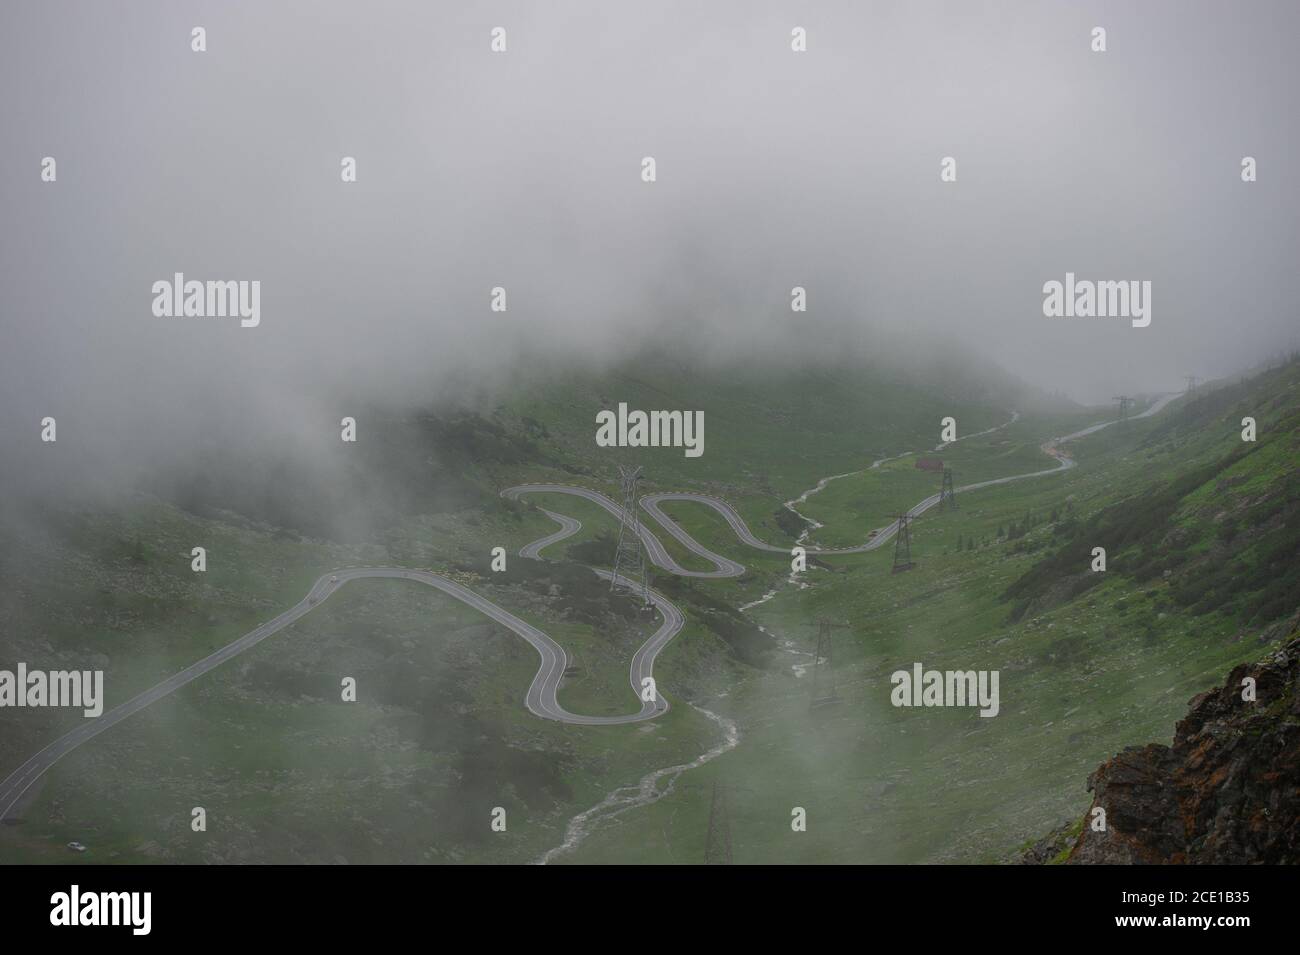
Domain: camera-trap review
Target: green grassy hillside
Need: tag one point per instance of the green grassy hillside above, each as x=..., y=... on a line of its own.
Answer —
x=1085, y=670
x=439, y=735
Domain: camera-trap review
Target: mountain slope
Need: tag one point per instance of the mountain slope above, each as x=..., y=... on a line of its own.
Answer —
x=1226, y=792
x=1220, y=529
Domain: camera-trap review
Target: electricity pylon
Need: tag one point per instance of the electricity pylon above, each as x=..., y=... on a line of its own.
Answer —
x=717, y=844
x=823, y=680
x=1125, y=402
x=1192, y=382
x=902, y=546
x=947, y=496
x=629, y=557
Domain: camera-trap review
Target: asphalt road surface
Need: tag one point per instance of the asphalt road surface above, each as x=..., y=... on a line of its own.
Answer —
x=541, y=696
x=540, y=699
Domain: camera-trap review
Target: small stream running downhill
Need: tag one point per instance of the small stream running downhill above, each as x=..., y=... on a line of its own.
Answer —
x=643, y=793
x=647, y=790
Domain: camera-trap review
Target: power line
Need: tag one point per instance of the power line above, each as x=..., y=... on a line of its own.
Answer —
x=823, y=678
x=947, y=495
x=630, y=562
x=717, y=844
x=902, y=546
x=1125, y=402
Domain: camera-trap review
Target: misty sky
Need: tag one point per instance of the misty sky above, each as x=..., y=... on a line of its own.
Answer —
x=522, y=170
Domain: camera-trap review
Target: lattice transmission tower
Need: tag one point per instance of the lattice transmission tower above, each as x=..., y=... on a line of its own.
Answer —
x=947, y=496
x=630, y=562
x=1125, y=402
x=823, y=677
x=902, y=545
x=717, y=845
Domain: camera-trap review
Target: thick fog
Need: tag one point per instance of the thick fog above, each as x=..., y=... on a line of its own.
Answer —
x=523, y=170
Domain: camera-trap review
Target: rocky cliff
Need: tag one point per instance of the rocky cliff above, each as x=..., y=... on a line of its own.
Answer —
x=1227, y=791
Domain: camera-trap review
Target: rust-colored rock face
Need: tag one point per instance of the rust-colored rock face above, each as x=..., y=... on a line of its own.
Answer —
x=1226, y=792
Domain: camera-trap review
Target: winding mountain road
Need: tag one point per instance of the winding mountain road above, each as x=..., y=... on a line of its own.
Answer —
x=541, y=697
x=724, y=566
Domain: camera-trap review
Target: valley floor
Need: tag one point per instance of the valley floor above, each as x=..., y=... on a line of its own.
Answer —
x=439, y=739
